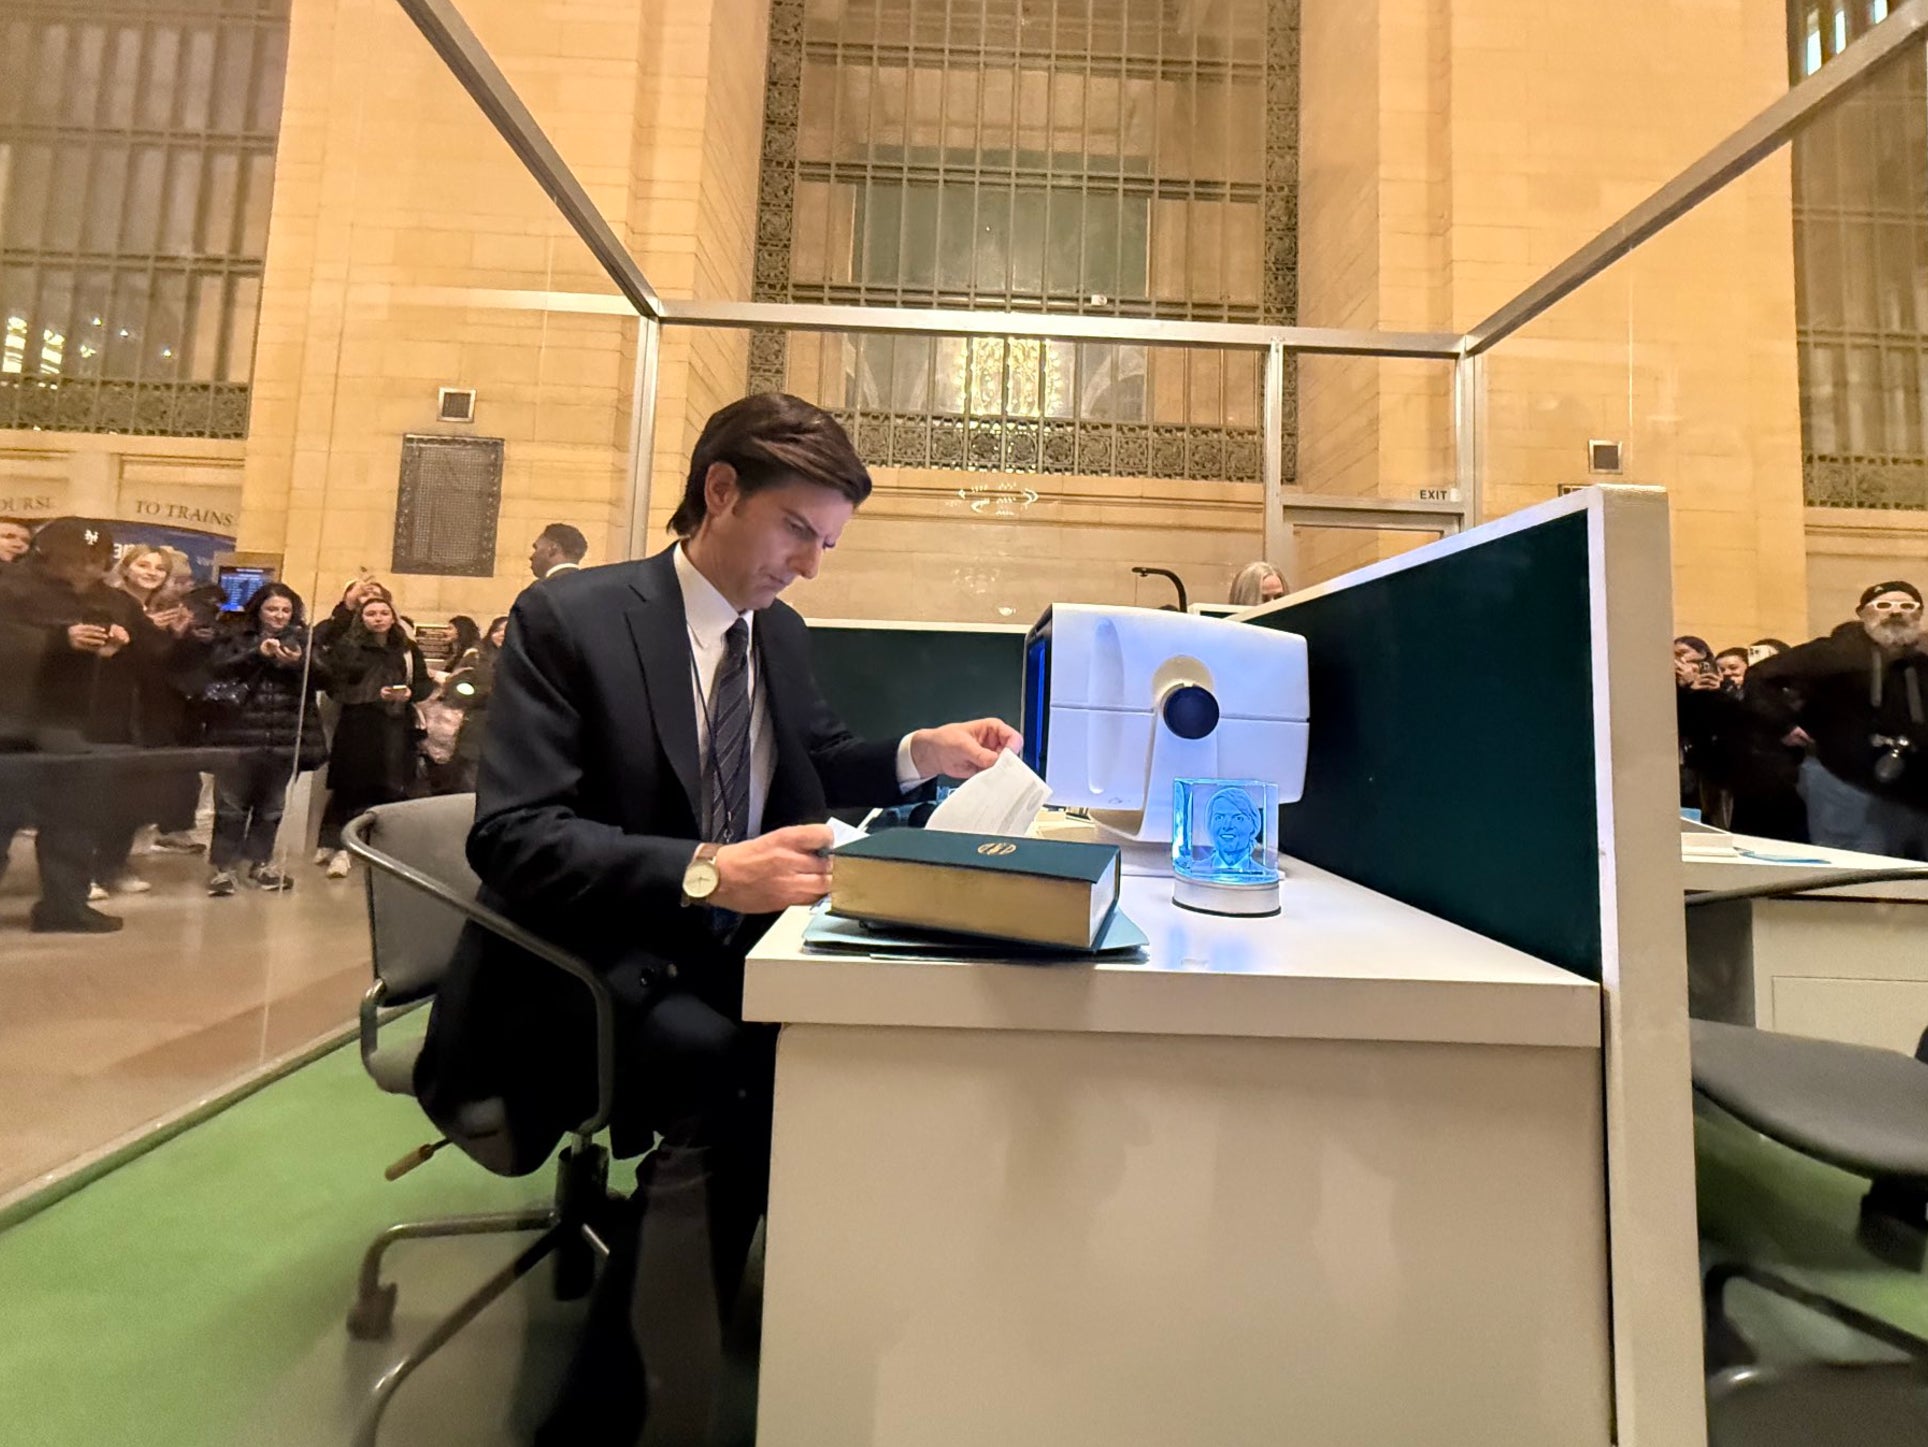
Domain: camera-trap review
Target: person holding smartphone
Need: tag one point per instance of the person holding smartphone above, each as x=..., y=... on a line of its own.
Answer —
x=261, y=704
x=82, y=692
x=377, y=675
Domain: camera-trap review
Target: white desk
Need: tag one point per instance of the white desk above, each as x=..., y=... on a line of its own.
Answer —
x=1849, y=964
x=1331, y=1178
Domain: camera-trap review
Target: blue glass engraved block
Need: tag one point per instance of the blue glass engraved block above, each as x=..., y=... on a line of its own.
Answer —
x=1225, y=852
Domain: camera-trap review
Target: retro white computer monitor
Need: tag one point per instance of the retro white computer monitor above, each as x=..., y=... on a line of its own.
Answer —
x=1119, y=702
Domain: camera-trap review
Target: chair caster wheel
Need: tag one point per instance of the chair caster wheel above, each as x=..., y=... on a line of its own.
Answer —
x=372, y=1318
x=575, y=1270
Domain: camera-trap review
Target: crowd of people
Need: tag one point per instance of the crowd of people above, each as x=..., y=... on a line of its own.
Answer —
x=124, y=683
x=1822, y=743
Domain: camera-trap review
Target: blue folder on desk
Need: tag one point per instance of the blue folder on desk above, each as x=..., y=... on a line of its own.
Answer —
x=834, y=934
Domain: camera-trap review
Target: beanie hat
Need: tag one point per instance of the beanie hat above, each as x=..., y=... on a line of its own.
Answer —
x=1879, y=588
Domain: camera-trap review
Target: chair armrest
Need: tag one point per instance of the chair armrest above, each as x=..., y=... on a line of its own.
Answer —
x=353, y=836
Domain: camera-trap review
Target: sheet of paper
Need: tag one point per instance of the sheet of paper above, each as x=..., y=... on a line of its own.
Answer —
x=842, y=833
x=1004, y=799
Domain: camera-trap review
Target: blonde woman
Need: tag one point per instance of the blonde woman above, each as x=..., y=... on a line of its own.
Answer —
x=1257, y=583
x=153, y=576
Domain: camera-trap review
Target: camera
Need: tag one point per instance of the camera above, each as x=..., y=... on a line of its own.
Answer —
x=1891, y=756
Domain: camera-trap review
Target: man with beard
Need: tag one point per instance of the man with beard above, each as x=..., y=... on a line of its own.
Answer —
x=1859, y=698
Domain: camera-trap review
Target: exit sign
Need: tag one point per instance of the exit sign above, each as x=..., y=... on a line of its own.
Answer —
x=1439, y=494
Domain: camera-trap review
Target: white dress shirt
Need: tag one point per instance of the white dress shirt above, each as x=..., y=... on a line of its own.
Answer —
x=710, y=617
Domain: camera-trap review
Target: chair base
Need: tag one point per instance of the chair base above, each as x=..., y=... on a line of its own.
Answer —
x=571, y=1233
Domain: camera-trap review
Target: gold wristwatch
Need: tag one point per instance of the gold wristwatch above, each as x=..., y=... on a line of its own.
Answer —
x=701, y=879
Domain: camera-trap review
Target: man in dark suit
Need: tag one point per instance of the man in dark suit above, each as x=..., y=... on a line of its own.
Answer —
x=653, y=792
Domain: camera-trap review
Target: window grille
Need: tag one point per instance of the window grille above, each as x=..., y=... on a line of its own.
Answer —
x=137, y=144
x=1861, y=271
x=1104, y=157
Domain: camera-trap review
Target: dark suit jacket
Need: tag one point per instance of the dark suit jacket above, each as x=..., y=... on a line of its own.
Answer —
x=587, y=814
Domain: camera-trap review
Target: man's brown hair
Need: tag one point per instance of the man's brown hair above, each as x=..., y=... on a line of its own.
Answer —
x=771, y=438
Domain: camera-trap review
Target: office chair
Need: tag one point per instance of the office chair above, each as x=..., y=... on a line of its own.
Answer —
x=1854, y=1107
x=1869, y=1404
x=420, y=893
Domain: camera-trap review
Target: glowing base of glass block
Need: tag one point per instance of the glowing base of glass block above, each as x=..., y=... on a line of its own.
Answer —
x=1249, y=901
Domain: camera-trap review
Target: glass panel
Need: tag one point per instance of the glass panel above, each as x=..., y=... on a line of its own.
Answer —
x=28, y=175
x=209, y=294
x=123, y=77
x=271, y=68
x=197, y=78
x=260, y=197
x=65, y=200
x=239, y=354
x=84, y=75
x=218, y=203
x=126, y=325
x=141, y=221
x=106, y=194
x=92, y=293
x=183, y=192
x=161, y=360
x=233, y=71
x=163, y=68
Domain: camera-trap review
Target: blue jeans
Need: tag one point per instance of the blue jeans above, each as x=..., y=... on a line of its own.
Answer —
x=1846, y=816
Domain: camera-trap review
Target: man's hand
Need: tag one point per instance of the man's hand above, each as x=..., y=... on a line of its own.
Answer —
x=117, y=639
x=773, y=871
x=86, y=637
x=960, y=750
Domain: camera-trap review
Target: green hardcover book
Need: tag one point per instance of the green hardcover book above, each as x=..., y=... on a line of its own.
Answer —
x=1041, y=891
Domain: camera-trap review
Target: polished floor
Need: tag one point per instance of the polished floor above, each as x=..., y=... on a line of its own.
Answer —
x=101, y=1035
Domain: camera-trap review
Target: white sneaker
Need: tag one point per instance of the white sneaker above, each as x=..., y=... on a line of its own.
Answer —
x=129, y=883
x=338, y=865
x=95, y=894
x=323, y=856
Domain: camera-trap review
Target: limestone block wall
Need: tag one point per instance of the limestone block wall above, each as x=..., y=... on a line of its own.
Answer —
x=1494, y=138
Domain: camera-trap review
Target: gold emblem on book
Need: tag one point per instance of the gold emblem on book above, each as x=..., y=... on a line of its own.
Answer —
x=996, y=848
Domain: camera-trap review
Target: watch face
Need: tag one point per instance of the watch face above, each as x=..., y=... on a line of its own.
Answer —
x=699, y=880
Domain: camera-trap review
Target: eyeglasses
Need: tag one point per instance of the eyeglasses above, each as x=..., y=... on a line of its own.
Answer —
x=1895, y=605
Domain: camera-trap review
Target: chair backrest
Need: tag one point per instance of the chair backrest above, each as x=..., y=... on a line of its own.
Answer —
x=414, y=933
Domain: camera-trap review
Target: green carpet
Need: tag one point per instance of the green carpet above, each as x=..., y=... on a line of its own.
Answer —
x=157, y=1305
x=165, y=1303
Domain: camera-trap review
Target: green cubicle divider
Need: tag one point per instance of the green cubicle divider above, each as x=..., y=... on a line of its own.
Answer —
x=885, y=681
x=1452, y=758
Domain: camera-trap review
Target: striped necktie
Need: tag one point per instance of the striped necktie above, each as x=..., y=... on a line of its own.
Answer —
x=729, y=801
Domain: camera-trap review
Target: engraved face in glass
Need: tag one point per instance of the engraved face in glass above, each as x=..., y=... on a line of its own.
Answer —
x=1234, y=824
